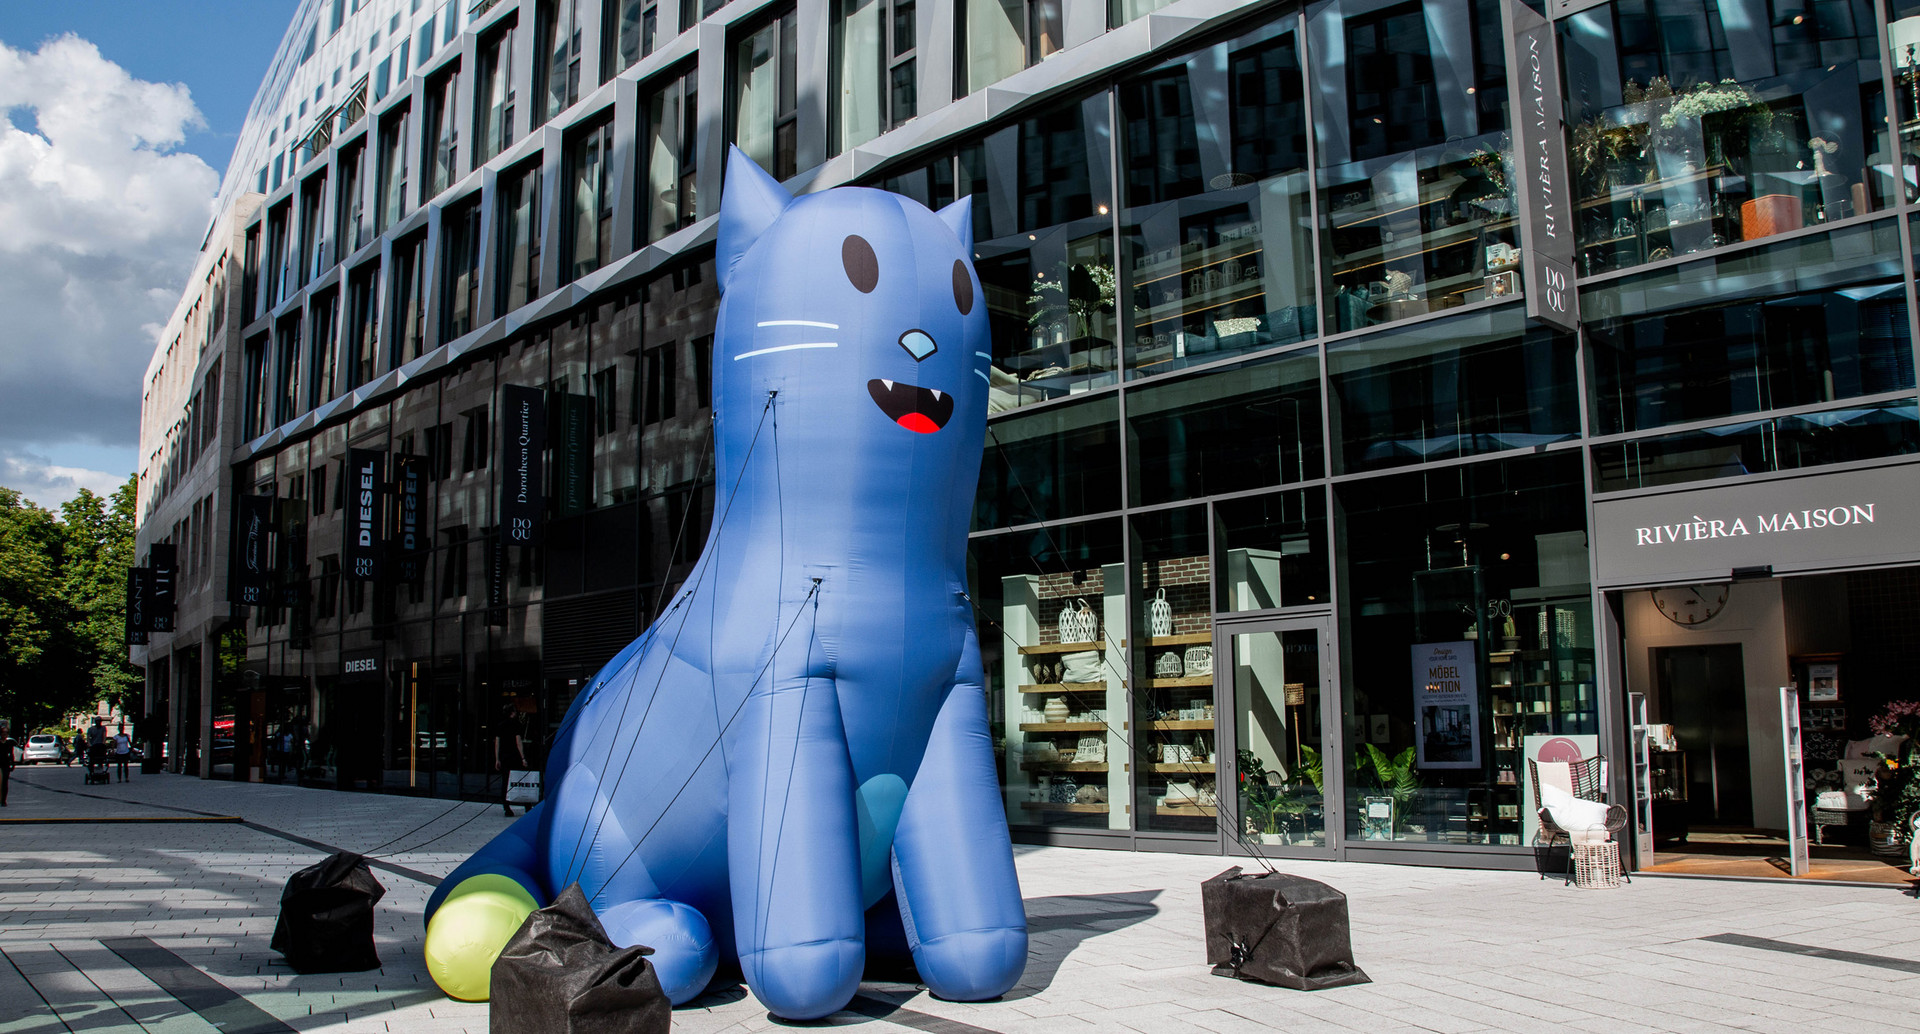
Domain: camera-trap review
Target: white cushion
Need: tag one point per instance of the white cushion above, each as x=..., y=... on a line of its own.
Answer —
x=1888, y=745
x=1571, y=813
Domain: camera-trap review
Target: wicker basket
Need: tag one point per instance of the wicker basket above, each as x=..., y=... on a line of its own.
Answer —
x=1596, y=866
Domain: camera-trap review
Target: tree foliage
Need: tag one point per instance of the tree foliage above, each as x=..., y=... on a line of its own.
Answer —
x=63, y=605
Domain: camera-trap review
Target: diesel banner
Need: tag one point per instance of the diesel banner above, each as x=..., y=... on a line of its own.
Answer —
x=573, y=457
x=249, y=573
x=358, y=667
x=366, y=512
x=1541, y=187
x=139, y=593
x=163, y=562
x=523, y=434
x=409, y=527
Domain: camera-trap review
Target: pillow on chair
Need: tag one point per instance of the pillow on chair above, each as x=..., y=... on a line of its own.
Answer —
x=1584, y=821
x=1888, y=745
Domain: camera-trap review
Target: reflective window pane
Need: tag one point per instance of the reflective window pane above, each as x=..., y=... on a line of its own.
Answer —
x=1760, y=446
x=1218, y=258
x=1483, y=382
x=1276, y=713
x=1249, y=426
x=1175, y=707
x=1271, y=551
x=1061, y=461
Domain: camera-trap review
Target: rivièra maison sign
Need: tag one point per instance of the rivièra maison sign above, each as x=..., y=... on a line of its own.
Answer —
x=1850, y=518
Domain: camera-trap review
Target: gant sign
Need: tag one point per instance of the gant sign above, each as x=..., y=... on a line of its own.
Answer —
x=1844, y=519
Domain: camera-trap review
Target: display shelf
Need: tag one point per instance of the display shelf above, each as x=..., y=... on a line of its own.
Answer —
x=1177, y=725
x=1182, y=639
x=1189, y=811
x=1145, y=273
x=1065, y=687
x=1063, y=647
x=1181, y=307
x=1175, y=682
x=1063, y=726
x=1186, y=767
x=1083, y=809
x=1063, y=766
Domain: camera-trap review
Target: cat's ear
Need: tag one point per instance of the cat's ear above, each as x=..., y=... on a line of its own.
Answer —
x=749, y=203
x=959, y=218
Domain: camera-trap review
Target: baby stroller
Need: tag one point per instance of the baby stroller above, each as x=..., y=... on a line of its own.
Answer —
x=97, y=765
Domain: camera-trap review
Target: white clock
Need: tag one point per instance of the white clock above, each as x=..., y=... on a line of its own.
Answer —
x=1691, y=604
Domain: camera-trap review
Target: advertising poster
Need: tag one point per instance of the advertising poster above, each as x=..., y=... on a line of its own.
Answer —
x=139, y=589
x=250, y=571
x=163, y=561
x=409, y=528
x=523, y=442
x=1562, y=747
x=1446, y=702
x=366, y=542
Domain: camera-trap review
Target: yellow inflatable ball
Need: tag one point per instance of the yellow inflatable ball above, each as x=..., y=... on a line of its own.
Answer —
x=468, y=931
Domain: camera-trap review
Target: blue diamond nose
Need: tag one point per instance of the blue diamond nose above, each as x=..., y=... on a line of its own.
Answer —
x=918, y=345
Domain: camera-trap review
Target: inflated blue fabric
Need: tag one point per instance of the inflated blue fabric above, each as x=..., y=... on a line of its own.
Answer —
x=801, y=736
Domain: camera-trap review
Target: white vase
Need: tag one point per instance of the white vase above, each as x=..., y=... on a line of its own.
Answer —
x=1056, y=709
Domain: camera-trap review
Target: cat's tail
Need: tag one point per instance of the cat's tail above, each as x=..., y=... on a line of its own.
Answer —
x=479, y=906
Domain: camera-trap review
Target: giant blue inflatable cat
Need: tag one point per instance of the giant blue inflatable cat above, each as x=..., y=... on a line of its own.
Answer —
x=794, y=759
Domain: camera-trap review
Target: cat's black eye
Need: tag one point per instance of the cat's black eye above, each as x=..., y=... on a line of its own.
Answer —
x=962, y=287
x=863, y=266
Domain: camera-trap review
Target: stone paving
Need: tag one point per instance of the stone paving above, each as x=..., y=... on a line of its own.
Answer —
x=1116, y=936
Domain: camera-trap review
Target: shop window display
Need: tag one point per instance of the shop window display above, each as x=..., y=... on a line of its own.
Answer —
x=1052, y=619
x=1699, y=125
x=1469, y=586
x=1474, y=383
x=1177, y=736
x=1416, y=166
x=1815, y=319
x=1215, y=239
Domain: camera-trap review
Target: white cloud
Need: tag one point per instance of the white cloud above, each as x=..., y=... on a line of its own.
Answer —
x=100, y=223
x=49, y=484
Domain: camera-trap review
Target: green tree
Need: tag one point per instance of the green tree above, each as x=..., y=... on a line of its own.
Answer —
x=34, y=633
x=99, y=549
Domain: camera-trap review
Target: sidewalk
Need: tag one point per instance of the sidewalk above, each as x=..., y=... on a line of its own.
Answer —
x=162, y=926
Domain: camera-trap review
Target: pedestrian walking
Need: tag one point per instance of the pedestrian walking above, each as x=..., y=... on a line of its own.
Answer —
x=72, y=748
x=122, y=752
x=6, y=761
x=509, y=750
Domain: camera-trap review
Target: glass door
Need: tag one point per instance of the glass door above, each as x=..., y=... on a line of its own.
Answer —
x=1283, y=729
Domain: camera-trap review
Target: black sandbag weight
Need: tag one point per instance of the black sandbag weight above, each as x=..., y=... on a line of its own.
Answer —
x=1274, y=928
x=560, y=974
x=326, y=917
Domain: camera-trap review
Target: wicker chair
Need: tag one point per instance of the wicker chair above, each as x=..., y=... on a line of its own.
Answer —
x=1584, y=782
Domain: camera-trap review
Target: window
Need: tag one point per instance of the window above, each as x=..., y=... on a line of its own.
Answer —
x=873, y=68
x=703, y=371
x=589, y=226
x=473, y=456
x=312, y=257
x=453, y=572
x=320, y=350
x=1000, y=37
x=348, y=229
x=606, y=387
x=338, y=16
x=493, y=105
x=442, y=137
x=391, y=173
x=362, y=336
x=461, y=228
x=519, y=257
x=658, y=399
x=669, y=162
x=629, y=30
x=692, y=11
x=278, y=251
x=556, y=71
x=317, y=477
x=327, y=601
x=250, y=277
x=255, y=387
x=409, y=306
x=286, y=370
x=765, y=108
x=439, y=445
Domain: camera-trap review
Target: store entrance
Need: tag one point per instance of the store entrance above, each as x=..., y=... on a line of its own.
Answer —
x=1283, y=728
x=1710, y=764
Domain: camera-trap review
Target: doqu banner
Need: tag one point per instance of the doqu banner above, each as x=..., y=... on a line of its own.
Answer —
x=366, y=512
x=523, y=440
x=250, y=570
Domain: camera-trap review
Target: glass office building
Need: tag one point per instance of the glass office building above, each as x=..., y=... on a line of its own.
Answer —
x=1303, y=527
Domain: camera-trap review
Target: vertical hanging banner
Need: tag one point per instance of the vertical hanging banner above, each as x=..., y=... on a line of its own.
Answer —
x=1541, y=187
x=366, y=512
x=249, y=571
x=497, y=580
x=163, y=563
x=409, y=523
x=523, y=439
x=573, y=457
x=139, y=595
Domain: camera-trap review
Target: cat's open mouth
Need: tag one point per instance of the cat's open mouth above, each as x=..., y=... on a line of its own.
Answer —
x=922, y=410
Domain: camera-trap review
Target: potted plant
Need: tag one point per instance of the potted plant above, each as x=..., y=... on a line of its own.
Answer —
x=1896, y=793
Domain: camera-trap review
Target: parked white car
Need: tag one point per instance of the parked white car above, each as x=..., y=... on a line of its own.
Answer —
x=40, y=747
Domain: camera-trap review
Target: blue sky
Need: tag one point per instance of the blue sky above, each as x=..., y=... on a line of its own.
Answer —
x=106, y=184
x=218, y=48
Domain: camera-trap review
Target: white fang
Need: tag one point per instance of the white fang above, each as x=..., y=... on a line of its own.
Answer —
x=797, y=323
x=888, y=383
x=936, y=394
x=786, y=348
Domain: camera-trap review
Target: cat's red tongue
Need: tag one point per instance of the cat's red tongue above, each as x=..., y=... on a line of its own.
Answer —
x=919, y=423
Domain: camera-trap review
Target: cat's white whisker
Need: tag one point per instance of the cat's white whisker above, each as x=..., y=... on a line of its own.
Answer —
x=988, y=356
x=983, y=376
x=786, y=348
x=797, y=323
